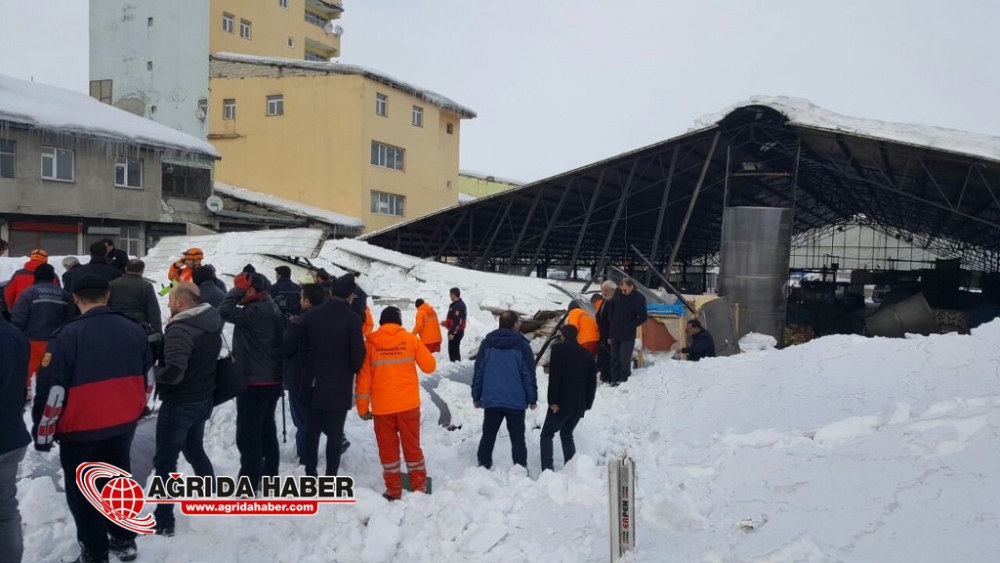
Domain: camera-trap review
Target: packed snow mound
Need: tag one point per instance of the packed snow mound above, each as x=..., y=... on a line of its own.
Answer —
x=754, y=342
x=800, y=111
x=58, y=110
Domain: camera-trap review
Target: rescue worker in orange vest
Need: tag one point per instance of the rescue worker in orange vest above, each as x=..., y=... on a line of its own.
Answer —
x=588, y=334
x=181, y=270
x=388, y=389
x=427, y=326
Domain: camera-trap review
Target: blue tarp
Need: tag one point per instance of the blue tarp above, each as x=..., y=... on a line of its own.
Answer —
x=660, y=309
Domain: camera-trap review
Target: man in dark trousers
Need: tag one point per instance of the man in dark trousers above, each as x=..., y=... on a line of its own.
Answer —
x=312, y=294
x=572, y=386
x=134, y=297
x=455, y=323
x=702, y=344
x=603, y=304
x=14, y=437
x=116, y=256
x=331, y=349
x=98, y=266
x=186, y=381
x=504, y=385
x=40, y=310
x=627, y=313
x=92, y=388
x=285, y=292
x=257, y=340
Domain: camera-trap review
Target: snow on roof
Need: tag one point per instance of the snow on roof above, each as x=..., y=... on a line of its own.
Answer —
x=59, y=110
x=288, y=206
x=804, y=113
x=341, y=68
x=465, y=198
x=488, y=177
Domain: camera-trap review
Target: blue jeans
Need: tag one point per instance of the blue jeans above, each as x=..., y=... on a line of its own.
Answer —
x=515, y=427
x=299, y=421
x=180, y=428
x=11, y=538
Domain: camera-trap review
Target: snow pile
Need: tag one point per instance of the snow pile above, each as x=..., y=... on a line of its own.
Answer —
x=841, y=449
x=288, y=206
x=58, y=110
x=802, y=112
x=754, y=342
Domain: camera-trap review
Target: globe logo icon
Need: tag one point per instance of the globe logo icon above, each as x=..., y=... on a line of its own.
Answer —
x=124, y=498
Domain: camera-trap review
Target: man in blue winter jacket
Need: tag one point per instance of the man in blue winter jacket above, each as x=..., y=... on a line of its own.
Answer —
x=504, y=385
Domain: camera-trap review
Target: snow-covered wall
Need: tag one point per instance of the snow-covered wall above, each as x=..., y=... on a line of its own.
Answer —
x=127, y=35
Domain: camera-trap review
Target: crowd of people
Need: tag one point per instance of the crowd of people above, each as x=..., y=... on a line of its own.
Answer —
x=94, y=349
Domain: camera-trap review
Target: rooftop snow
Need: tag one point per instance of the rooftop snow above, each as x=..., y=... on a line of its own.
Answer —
x=340, y=68
x=804, y=113
x=59, y=110
x=287, y=206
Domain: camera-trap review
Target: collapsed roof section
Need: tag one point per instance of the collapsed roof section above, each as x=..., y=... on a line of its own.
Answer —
x=940, y=186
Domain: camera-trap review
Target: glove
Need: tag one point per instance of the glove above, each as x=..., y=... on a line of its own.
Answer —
x=243, y=282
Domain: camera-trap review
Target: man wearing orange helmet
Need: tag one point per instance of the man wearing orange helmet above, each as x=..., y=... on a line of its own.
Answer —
x=181, y=270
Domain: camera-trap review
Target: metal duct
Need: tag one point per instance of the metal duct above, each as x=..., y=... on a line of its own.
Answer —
x=753, y=266
x=912, y=315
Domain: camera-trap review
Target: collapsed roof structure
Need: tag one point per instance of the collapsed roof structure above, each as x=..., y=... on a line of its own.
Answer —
x=940, y=187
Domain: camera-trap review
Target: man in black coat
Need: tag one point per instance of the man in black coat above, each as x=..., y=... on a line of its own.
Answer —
x=186, y=381
x=627, y=312
x=285, y=292
x=208, y=285
x=116, y=256
x=330, y=347
x=702, y=343
x=14, y=437
x=98, y=266
x=312, y=295
x=134, y=297
x=603, y=304
x=572, y=386
x=257, y=340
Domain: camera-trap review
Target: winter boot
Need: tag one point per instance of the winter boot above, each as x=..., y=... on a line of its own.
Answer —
x=88, y=556
x=124, y=550
x=389, y=497
x=344, y=445
x=166, y=530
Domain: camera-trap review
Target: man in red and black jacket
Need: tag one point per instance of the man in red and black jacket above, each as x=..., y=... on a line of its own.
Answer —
x=94, y=382
x=25, y=277
x=455, y=323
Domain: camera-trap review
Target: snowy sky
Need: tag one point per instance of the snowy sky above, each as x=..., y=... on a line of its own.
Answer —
x=561, y=83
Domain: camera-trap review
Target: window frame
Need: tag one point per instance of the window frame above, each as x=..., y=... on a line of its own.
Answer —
x=279, y=104
x=246, y=25
x=381, y=104
x=381, y=156
x=417, y=116
x=228, y=23
x=391, y=205
x=99, y=84
x=11, y=153
x=55, y=152
x=283, y=4
x=450, y=128
x=229, y=109
x=291, y=42
x=122, y=163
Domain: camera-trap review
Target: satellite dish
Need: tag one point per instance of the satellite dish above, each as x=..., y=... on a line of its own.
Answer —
x=214, y=203
x=338, y=31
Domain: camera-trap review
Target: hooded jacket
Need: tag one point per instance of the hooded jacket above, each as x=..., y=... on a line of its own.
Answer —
x=504, y=375
x=427, y=326
x=388, y=381
x=21, y=281
x=135, y=298
x=191, y=346
x=257, y=336
x=41, y=310
x=626, y=313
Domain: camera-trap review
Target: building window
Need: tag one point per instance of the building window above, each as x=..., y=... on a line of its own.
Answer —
x=149, y=65
x=387, y=156
x=8, y=158
x=310, y=56
x=245, y=29
x=276, y=105
x=291, y=42
x=228, y=22
x=381, y=105
x=57, y=164
x=128, y=240
x=283, y=4
x=202, y=108
x=387, y=204
x=316, y=20
x=418, y=116
x=229, y=108
x=149, y=22
x=128, y=172
x=101, y=90
x=450, y=128
x=186, y=181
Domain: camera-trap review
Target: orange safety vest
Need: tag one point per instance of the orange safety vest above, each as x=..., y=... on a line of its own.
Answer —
x=427, y=326
x=388, y=382
x=586, y=326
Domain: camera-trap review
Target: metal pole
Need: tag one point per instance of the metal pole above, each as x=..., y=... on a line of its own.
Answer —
x=499, y=224
x=621, y=206
x=586, y=219
x=694, y=200
x=552, y=222
x=795, y=181
x=663, y=208
x=725, y=188
x=524, y=228
x=664, y=279
x=451, y=235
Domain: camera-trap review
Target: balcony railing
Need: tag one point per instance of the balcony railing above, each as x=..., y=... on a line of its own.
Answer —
x=316, y=20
